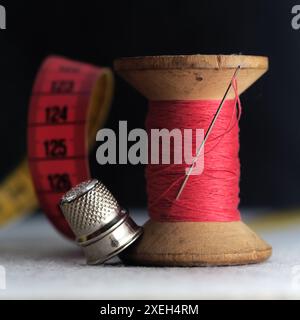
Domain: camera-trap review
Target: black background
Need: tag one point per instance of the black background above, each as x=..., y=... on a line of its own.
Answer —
x=100, y=31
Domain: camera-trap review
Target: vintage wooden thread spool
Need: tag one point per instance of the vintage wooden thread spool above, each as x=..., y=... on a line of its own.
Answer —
x=194, y=77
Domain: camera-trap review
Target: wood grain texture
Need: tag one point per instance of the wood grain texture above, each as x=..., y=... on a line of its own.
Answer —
x=192, y=77
x=197, y=244
x=196, y=61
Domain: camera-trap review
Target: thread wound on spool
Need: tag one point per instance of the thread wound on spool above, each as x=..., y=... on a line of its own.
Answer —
x=214, y=194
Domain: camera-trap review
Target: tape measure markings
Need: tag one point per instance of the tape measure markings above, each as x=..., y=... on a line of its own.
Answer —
x=57, y=131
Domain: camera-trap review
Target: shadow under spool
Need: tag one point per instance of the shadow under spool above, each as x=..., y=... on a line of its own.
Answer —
x=193, y=77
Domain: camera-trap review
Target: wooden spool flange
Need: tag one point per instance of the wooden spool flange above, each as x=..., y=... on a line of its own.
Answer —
x=193, y=77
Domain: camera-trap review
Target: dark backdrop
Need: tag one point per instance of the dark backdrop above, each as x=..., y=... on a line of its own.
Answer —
x=98, y=32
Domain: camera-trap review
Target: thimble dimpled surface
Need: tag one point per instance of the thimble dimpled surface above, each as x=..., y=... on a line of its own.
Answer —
x=89, y=208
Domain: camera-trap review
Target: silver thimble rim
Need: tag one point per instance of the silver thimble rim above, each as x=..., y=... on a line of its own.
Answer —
x=111, y=247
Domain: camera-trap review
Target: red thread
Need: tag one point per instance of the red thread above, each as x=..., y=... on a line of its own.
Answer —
x=213, y=195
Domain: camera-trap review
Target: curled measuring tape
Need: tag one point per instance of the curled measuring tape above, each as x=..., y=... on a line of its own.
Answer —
x=69, y=102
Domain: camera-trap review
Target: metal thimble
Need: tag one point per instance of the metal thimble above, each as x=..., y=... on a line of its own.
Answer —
x=102, y=228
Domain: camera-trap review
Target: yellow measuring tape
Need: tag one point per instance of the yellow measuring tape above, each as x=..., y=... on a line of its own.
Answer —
x=17, y=195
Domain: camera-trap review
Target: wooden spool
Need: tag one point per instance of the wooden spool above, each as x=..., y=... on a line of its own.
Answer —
x=193, y=77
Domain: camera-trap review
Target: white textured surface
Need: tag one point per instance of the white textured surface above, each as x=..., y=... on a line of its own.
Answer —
x=41, y=264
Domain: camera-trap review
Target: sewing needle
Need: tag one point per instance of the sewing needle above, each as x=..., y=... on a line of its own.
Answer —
x=207, y=133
